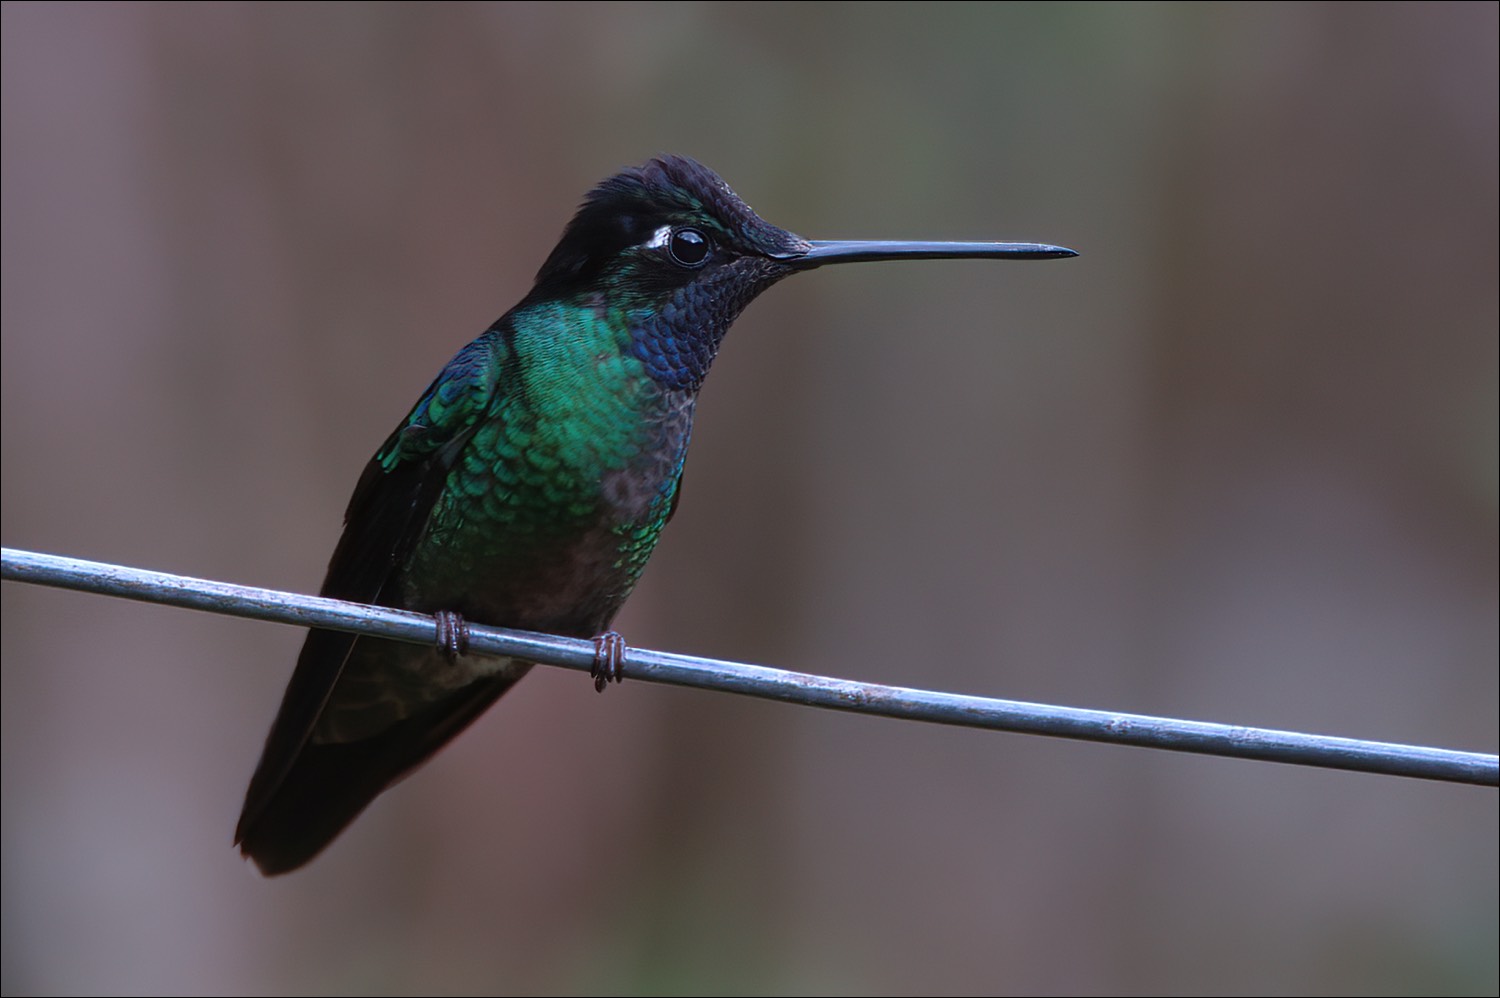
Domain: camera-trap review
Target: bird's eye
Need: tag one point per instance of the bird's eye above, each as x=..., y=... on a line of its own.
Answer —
x=689, y=247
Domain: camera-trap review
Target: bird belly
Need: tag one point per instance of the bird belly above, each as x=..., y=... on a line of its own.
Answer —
x=534, y=544
x=555, y=536
x=569, y=582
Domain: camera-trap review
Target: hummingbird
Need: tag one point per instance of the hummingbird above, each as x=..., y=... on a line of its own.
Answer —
x=528, y=486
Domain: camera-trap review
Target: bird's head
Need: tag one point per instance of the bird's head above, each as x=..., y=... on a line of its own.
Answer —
x=675, y=254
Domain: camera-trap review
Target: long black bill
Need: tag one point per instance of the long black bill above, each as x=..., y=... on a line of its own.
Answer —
x=857, y=250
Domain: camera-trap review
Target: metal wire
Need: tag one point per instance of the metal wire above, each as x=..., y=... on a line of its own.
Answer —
x=771, y=684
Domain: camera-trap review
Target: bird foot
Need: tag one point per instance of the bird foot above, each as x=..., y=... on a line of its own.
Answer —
x=609, y=656
x=452, y=634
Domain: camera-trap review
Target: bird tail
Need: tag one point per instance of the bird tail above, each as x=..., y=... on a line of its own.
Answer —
x=327, y=784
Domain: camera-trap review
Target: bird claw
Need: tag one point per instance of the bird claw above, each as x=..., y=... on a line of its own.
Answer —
x=452, y=634
x=609, y=656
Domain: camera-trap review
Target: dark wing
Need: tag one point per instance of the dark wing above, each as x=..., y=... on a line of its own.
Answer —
x=386, y=517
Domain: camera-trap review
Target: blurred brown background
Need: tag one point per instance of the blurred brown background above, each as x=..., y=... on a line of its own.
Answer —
x=1237, y=462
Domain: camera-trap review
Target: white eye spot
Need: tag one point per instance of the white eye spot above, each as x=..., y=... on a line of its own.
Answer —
x=659, y=238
